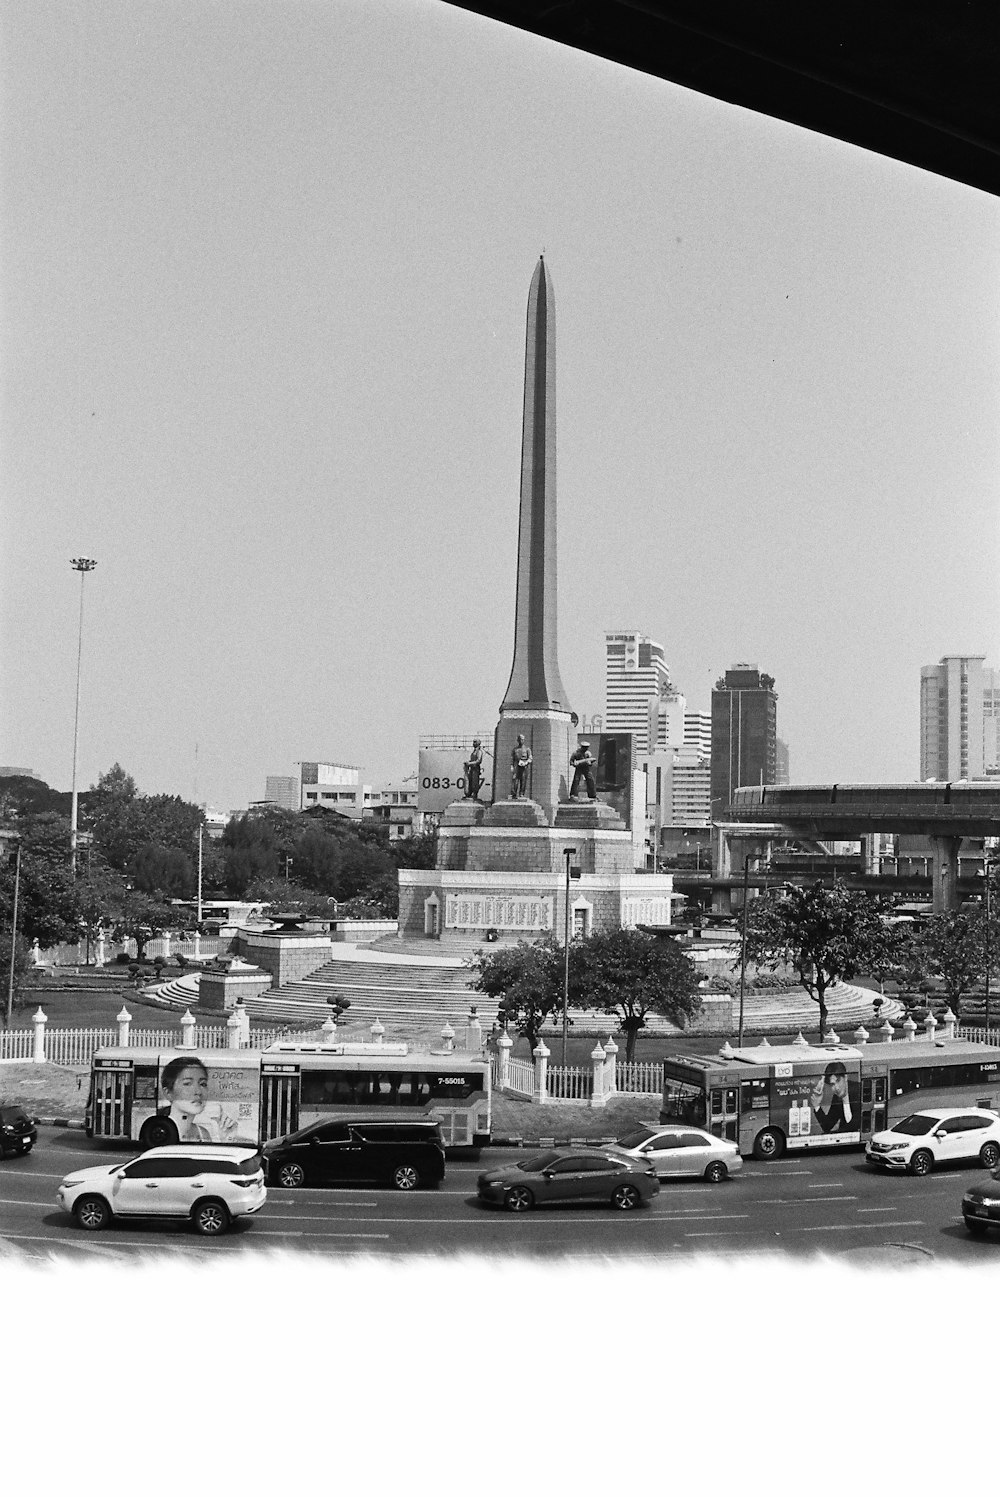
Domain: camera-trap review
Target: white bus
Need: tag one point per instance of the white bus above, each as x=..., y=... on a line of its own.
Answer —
x=250, y=1096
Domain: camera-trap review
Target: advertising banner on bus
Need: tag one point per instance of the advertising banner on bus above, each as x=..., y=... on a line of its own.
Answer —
x=815, y=1102
x=208, y=1101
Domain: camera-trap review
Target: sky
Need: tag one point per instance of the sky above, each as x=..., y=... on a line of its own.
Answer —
x=265, y=275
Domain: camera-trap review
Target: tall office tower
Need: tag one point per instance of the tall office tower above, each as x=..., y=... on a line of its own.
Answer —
x=635, y=674
x=781, y=770
x=952, y=717
x=666, y=716
x=698, y=732
x=744, y=733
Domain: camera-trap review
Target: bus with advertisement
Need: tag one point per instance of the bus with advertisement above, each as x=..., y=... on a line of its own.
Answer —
x=249, y=1096
x=773, y=1098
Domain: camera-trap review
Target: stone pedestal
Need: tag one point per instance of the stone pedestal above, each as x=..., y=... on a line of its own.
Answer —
x=588, y=816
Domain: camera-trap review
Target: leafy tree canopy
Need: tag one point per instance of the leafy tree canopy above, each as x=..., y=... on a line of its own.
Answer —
x=630, y=974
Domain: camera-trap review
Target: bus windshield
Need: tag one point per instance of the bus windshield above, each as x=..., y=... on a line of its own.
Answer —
x=683, y=1103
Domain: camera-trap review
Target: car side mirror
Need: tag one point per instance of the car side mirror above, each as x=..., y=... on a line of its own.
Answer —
x=940, y=1133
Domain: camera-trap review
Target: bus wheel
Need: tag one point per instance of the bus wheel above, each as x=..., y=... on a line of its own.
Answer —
x=157, y=1131
x=92, y=1213
x=989, y=1156
x=921, y=1163
x=519, y=1198
x=769, y=1144
x=291, y=1175
x=716, y=1172
x=210, y=1218
x=405, y=1177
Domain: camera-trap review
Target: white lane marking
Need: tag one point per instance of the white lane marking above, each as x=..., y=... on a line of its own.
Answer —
x=328, y=1236
x=714, y=1219
x=863, y=1210
x=828, y=1185
x=801, y=1200
x=854, y=1227
x=759, y=1174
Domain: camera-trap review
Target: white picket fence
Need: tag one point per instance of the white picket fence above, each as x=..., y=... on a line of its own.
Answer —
x=569, y=1083
x=520, y=1077
x=75, y=1047
x=984, y=1036
x=639, y=1076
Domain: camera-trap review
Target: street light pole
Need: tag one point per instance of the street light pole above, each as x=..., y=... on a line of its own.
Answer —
x=750, y=857
x=568, y=852
x=986, y=1014
x=13, y=934
x=197, y=932
x=83, y=565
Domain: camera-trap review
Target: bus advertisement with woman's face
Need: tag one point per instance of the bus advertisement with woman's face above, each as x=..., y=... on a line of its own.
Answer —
x=817, y=1103
x=207, y=1101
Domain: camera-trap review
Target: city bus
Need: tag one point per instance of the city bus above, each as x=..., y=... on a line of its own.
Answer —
x=769, y=1099
x=157, y=1096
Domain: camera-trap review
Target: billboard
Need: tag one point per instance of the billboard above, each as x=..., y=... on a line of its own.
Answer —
x=816, y=1103
x=613, y=772
x=441, y=776
x=207, y=1101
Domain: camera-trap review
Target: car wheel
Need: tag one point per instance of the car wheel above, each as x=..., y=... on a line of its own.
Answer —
x=977, y=1228
x=716, y=1171
x=519, y=1198
x=921, y=1163
x=769, y=1144
x=92, y=1213
x=405, y=1177
x=989, y=1156
x=291, y=1175
x=625, y=1198
x=157, y=1131
x=210, y=1218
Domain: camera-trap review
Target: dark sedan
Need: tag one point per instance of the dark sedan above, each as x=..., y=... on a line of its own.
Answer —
x=17, y=1130
x=569, y=1176
x=981, y=1206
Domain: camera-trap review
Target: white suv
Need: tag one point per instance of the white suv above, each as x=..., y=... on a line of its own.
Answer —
x=937, y=1135
x=206, y=1185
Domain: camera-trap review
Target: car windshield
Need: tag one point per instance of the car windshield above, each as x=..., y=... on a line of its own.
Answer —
x=636, y=1139
x=538, y=1162
x=916, y=1124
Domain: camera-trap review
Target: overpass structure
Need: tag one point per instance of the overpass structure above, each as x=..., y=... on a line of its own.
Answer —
x=945, y=813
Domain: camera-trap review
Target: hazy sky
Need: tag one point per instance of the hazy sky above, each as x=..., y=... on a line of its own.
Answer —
x=265, y=272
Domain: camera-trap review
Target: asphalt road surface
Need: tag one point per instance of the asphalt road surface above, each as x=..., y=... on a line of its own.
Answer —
x=834, y=1206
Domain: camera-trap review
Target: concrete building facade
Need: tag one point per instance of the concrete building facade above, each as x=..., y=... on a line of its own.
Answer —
x=744, y=733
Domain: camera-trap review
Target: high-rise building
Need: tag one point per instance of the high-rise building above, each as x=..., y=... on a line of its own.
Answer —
x=635, y=676
x=744, y=733
x=698, y=732
x=959, y=707
x=781, y=769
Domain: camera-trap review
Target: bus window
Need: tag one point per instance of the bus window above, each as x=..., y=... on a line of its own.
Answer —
x=683, y=1103
x=414, y=1091
x=145, y=1084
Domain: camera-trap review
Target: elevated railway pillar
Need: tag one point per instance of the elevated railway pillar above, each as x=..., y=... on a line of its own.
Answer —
x=945, y=880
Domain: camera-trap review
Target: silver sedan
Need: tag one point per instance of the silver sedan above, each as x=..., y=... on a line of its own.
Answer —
x=681, y=1150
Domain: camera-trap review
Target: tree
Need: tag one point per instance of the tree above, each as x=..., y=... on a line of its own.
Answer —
x=526, y=980
x=142, y=917
x=630, y=974
x=828, y=934
x=952, y=947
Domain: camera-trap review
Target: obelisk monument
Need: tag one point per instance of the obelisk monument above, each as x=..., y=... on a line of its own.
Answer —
x=535, y=703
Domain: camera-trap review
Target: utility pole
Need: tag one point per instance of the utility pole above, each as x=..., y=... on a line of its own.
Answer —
x=83, y=565
x=13, y=934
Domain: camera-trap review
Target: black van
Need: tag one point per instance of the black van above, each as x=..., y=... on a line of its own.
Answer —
x=403, y=1155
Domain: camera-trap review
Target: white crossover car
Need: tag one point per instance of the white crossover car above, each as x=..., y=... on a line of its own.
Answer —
x=207, y=1185
x=937, y=1135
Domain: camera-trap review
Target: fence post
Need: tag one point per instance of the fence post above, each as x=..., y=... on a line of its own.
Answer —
x=474, y=1033
x=378, y=1032
x=504, y=1045
x=909, y=1029
x=187, y=1030
x=39, y=1021
x=597, y=1096
x=233, y=1031
x=328, y=1030
x=541, y=1055
x=949, y=1021
x=166, y=943
x=124, y=1020
x=448, y=1037
x=100, y=955
x=610, y=1068
x=861, y=1035
x=930, y=1024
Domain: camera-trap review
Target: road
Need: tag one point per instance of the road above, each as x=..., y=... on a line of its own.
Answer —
x=832, y=1205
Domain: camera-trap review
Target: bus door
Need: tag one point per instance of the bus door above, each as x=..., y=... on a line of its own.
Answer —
x=112, y=1101
x=874, y=1101
x=724, y=1111
x=279, y=1101
x=755, y=1114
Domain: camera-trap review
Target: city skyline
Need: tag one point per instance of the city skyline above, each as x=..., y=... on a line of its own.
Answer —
x=263, y=362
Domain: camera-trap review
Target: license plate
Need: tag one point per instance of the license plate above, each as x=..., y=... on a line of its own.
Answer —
x=26, y=1140
x=979, y=1211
